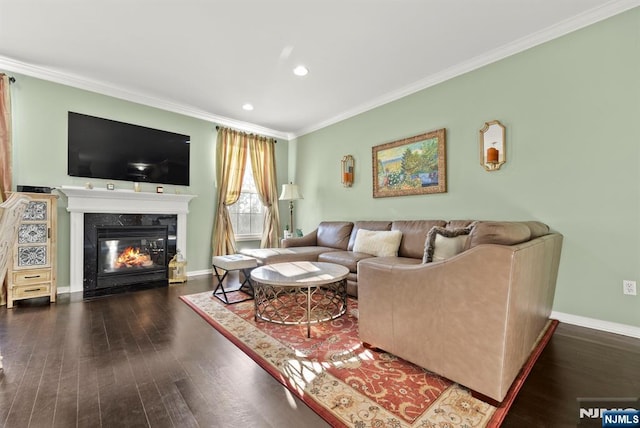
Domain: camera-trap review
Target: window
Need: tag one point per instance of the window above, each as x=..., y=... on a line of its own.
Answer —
x=247, y=214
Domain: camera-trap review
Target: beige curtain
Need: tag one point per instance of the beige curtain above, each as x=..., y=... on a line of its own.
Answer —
x=5, y=137
x=263, y=164
x=231, y=155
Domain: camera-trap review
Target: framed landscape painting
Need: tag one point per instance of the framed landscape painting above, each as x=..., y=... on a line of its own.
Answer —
x=411, y=166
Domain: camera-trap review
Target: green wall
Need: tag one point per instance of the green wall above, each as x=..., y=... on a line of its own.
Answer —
x=571, y=108
x=40, y=155
x=572, y=112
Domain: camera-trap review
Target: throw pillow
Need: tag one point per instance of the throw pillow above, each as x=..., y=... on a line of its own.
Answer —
x=379, y=243
x=443, y=243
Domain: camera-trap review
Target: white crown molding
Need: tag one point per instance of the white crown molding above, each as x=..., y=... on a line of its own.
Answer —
x=104, y=88
x=590, y=17
x=560, y=29
x=596, y=324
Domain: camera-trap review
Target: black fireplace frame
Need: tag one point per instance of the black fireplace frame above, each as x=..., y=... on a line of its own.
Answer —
x=132, y=276
x=94, y=221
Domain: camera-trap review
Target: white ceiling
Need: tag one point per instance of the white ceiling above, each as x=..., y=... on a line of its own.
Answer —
x=206, y=58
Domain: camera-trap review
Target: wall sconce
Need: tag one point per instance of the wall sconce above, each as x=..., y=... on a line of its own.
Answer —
x=347, y=170
x=493, y=146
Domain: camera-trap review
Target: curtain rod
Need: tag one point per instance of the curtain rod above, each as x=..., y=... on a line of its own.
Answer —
x=11, y=78
x=218, y=128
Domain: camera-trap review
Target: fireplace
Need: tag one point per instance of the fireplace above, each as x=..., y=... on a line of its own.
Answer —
x=131, y=255
x=91, y=207
x=127, y=252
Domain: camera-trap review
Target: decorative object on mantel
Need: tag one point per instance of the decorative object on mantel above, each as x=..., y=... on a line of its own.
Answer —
x=493, y=145
x=347, y=170
x=411, y=166
x=290, y=192
x=159, y=189
x=110, y=186
x=136, y=187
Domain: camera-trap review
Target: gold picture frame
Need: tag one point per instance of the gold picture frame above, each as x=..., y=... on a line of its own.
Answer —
x=411, y=166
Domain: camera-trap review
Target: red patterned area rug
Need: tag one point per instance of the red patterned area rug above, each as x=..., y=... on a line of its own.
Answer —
x=347, y=384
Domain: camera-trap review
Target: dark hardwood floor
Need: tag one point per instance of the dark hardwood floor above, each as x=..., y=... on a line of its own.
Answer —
x=146, y=359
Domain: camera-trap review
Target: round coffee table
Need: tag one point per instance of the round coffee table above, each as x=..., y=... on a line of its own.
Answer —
x=300, y=292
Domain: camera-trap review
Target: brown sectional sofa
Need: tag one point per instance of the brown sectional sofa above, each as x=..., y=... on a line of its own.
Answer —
x=473, y=318
x=333, y=242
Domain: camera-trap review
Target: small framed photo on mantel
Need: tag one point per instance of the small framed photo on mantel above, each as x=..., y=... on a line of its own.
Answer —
x=159, y=189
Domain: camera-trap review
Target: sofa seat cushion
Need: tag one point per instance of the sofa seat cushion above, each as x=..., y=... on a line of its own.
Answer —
x=348, y=259
x=269, y=256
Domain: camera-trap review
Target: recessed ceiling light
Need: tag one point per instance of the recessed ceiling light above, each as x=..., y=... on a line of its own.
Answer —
x=247, y=106
x=301, y=70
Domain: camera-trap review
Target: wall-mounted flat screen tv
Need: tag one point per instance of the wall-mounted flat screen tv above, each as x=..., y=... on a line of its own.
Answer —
x=104, y=148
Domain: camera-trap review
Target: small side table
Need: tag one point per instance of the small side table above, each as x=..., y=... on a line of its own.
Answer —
x=230, y=263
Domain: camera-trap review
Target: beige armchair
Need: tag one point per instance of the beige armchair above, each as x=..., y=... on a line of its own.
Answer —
x=11, y=212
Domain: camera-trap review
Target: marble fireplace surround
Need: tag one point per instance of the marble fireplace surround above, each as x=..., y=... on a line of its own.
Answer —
x=81, y=201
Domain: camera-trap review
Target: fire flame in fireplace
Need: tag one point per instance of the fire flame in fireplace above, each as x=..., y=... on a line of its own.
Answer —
x=132, y=257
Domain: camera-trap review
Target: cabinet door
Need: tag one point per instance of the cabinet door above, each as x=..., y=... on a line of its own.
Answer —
x=33, y=247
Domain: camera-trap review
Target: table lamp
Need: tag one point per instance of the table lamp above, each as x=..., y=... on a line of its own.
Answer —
x=290, y=192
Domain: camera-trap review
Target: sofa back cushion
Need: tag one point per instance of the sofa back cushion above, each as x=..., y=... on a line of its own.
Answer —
x=334, y=234
x=499, y=232
x=537, y=229
x=414, y=235
x=368, y=225
x=459, y=224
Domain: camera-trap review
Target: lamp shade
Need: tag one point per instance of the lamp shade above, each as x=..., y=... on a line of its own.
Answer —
x=290, y=192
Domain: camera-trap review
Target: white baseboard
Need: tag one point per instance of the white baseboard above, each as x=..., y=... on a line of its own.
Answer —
x=199, y=272
x=608, y=326
x=63, y=290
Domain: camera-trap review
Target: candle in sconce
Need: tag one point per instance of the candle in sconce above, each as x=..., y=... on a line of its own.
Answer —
x=347, y=176
x=492, y=155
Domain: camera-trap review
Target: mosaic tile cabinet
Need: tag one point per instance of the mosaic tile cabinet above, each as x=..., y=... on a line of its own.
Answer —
x=33, y=270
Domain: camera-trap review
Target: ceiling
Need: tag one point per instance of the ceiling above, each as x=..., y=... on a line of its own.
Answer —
x=206, y=58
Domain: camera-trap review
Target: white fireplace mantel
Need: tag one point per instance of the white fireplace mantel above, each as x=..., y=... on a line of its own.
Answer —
x=82, y=200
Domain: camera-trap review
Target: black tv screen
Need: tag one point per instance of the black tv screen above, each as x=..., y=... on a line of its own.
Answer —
x=104, y=148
